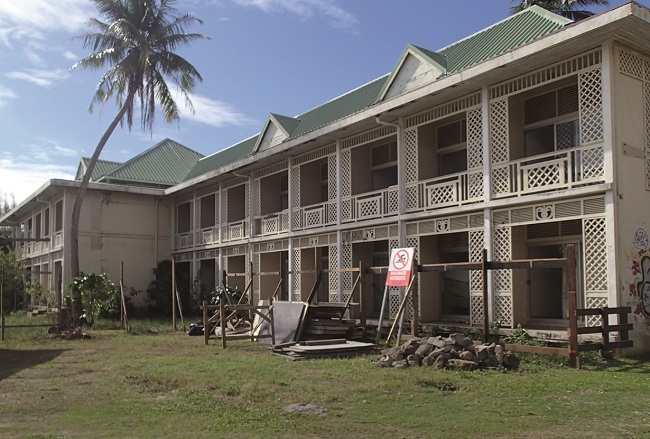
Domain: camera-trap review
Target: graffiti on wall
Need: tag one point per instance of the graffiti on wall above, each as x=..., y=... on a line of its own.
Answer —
x=639, y=288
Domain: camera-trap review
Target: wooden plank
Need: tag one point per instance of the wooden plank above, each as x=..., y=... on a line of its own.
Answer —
x=544, y=350
x=619, y=310
x=323, y=342
x=590, y=330
x=621, y=344
x=585, y=347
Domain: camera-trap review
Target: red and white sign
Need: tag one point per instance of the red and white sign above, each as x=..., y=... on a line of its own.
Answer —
x=399, y=268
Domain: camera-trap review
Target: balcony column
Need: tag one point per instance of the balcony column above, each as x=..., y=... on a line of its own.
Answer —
x=339, y=233
x=607, y=77
x=291, y=265
x=488, y=229
x=219, y=222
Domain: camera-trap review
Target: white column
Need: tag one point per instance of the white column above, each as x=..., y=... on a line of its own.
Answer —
x=488, y=229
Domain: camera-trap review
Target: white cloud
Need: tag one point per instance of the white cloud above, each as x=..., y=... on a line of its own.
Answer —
x=44, y=78
x=23, y=18
x=23, y=177
x=214, y=113
x=6, y=95
x=337, y=16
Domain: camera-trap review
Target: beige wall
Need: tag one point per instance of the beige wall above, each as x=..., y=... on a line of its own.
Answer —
x=632, y=202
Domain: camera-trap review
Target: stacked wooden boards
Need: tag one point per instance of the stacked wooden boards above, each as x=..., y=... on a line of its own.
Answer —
x=336, y=348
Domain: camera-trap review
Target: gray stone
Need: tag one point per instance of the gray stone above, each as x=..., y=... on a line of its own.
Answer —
x=510, y=361
x=424, y=349
x=400, y=364
x=468, y=356
x=482, y=352
x=490, y=361
x=441, y=361
x=414, y=359
x=457, y=338
x=429, y=360
x=437, y=341
x=310, y=409
x=411, y=346
x=461, y=364
x=498, y=353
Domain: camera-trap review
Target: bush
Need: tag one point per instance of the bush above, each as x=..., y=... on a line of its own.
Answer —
x=100, y=297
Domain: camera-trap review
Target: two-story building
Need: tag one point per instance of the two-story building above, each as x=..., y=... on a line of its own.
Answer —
x=521, y=139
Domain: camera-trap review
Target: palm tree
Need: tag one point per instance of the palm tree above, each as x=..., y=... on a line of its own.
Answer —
x=573, y=9
x=136, y=44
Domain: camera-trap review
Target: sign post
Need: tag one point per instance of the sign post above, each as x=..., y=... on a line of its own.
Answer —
x=399, y=275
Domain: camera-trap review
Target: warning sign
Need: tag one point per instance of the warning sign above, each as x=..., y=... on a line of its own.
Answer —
x=399, y=268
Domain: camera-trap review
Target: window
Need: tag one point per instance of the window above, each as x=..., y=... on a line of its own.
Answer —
x=384, y=166
x=551, y=121
x=46, y=222
x=452, y=147
x=183, y=222
x=324, y=191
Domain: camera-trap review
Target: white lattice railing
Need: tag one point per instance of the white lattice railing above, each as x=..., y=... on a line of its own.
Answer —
x=207, y=235
x=183, y=240
x=273, y=223
x=58, y=239
x=448, y=190
x=316, y=215
x=235, y=231
x=551, y=171
x=373, y=204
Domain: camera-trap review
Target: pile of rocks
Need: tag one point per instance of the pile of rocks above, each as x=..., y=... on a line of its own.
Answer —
x=454, y=352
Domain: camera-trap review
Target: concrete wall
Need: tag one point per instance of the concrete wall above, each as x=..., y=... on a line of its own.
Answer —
x=632, y=202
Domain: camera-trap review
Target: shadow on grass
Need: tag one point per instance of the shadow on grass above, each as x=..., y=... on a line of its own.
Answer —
x=15, y=360
x=632, y=364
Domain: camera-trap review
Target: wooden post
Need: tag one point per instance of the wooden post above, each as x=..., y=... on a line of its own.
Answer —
x=574, y=359
x=123, y=316
x=415, y=321
x=399, y=315
x=362, y=311
x=206, y=332
x=174, y=293
x=2, y=301
x=381, y=314
x=222, y=316
x=486, y=320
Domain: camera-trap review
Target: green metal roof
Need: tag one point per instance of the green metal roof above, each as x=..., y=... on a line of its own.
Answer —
x=512, y=32
x=166, y=163
x=102, y=167
x=223, y=157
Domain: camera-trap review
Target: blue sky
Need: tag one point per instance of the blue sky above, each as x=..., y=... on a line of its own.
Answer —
x=263, y=56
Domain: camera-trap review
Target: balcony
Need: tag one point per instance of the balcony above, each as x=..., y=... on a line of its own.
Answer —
x=58, y=240
x=273, y=223
x=553, y=171
x=207, y=236
x=448, y=190
x=315, y=215
x=234, y=231
x=370, y=205
x=183, y=240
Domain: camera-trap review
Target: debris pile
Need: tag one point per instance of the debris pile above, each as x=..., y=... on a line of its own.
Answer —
x=72, y=334
x=454, y=352
x=335, y=348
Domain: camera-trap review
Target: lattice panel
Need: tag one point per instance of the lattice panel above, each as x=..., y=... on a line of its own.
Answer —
x=591, y=106
x=393, y=303
x=346, y=173
x=476, y=245
x=257, y=197
x=368, y=136
x=295, y=187
x=503, y=278
x=595, y=251
x=475, y=185
x=476, y=308
x=595, y=302
x=247, y=200
x=631, y=65
x=500, y=181
x=393, y=201
x=441, y=195
x=346, y=262
x=411, y=155
x=295, y=278
x=474, y=139
x=333, y=263
x=412, y=195
x=224, y=209
x=444, y=110
x=332, y=181
x=503, y=309
x=331, y=213
x=499, y=131
x=257, y=268
x=346, y=209
x=545, y=175
x=593, y=163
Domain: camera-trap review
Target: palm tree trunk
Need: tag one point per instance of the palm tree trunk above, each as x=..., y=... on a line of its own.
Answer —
x=76, y=210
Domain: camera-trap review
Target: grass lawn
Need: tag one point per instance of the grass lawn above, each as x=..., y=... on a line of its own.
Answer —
x=162, y=384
